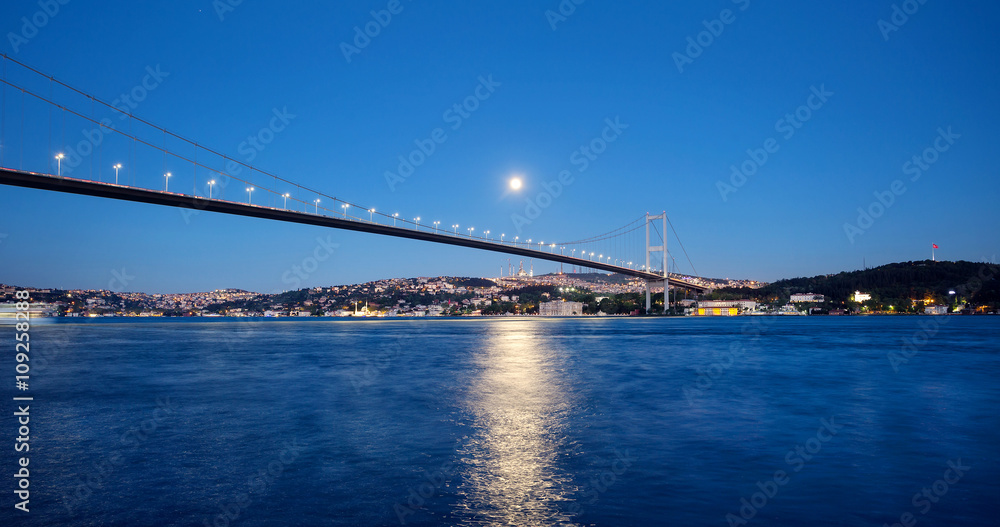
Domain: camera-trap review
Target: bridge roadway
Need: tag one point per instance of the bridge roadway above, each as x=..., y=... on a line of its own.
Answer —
x=34, y=180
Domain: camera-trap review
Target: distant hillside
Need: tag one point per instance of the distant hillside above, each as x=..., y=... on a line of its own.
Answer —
x=892, y=284
x=471, y=282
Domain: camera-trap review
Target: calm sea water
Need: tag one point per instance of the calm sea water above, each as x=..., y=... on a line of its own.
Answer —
x=771, y=421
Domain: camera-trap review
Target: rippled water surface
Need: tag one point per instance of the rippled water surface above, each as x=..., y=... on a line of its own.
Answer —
x=763, y=420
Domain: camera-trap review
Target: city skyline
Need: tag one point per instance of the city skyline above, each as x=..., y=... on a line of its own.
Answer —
x=762, y=183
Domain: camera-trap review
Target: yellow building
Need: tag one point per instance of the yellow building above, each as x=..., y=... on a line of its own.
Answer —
x=717, y=311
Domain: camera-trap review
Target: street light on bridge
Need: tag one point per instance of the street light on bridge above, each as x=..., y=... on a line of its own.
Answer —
x=317, y=205
x=285, y=195
x=470, y=231
x=501, y=237
x=59, y=158
x=250, y=195
x=487, y=235
x=394, y=216
x=166, y=181
x=436, y=224
x=116, y=167
x=210, y=185
x=371, y=215
x=455, y=226
x=344, y=206
x=416, y=223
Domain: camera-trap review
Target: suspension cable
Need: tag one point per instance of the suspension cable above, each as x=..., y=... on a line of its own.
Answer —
x=167, y=132
x=682, y=245
x=607, y=235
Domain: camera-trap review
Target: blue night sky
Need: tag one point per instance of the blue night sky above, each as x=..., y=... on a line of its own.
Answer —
x=884, y=102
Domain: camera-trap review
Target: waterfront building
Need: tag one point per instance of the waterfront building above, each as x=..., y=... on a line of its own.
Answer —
x=739, y=305
x=806, y=297
x=560, y=309
x=717, y=311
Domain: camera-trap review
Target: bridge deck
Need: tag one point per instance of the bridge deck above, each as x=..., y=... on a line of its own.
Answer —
x=109, y=190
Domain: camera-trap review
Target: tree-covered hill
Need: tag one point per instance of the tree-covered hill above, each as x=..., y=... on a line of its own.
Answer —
x=893, y=284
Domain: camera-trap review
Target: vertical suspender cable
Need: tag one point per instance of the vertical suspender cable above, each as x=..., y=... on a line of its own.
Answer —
x=131, y=151
x=100, y=148
x=62, y=128
x=50, y=119
x=21, y=164
x=3, y=118
x=92, y=114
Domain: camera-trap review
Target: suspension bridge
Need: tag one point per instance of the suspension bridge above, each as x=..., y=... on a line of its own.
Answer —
x=112, y=142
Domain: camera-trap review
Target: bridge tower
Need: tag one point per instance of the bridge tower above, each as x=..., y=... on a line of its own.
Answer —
x=650, y=249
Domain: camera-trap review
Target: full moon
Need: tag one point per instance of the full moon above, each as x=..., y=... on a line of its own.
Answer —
x=515, y=184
